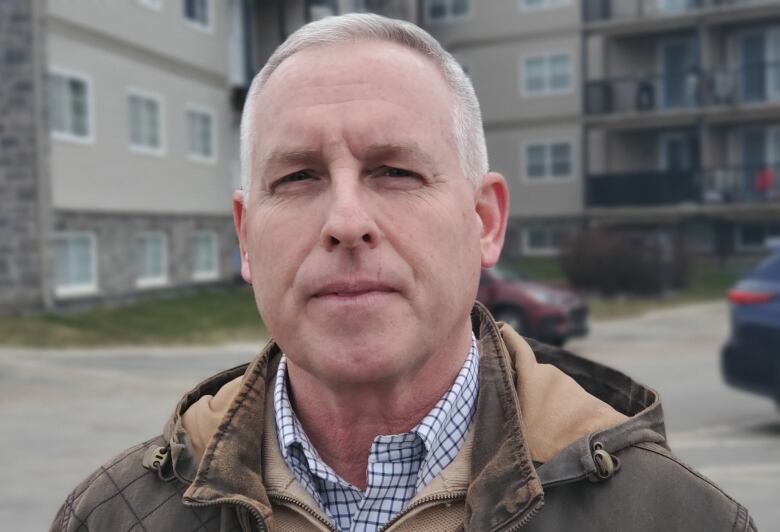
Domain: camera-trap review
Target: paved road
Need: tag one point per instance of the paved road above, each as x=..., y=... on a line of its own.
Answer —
x=63, y=413
x=730, y=436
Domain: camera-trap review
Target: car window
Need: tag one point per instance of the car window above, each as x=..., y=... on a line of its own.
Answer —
x=768, y=269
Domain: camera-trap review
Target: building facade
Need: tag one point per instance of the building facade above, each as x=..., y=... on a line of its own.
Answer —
x=134, y=149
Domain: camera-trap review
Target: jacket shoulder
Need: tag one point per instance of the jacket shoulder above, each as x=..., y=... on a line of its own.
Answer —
x=687, y=498
x=123, y=494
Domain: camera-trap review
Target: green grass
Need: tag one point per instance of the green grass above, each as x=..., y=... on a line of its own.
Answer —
x=709, y=282
x=205, y=318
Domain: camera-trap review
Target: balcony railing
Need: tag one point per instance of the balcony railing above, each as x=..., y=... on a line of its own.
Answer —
x=751, y=83
x=602, y=10
x=738, y=184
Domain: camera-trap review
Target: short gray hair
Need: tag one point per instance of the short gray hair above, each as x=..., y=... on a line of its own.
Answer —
x=466, y=115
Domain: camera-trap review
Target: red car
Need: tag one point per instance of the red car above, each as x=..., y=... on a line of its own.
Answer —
x=549, y=314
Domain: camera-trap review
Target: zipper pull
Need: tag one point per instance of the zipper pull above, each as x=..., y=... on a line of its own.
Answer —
x=155, y=457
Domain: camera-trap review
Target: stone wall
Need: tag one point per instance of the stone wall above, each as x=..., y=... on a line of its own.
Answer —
x=23, y=174
x=117, y=253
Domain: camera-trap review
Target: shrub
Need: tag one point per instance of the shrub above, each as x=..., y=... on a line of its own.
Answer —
x=613, y=262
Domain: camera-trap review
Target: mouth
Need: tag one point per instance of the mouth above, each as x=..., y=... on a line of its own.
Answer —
x=353, y=290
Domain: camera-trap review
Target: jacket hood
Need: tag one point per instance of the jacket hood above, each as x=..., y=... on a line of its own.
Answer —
x=541, y=410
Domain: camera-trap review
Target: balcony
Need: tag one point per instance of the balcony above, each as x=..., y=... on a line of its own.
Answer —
x=754, y=184
x=751, y=84
x=601, y=11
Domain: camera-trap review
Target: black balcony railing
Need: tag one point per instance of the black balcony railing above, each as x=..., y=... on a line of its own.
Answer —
x=735, y=184
x=601, y=10
x=642, y=189
x=749, y=83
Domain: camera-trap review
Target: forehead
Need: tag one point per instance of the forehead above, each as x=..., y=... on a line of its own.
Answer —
x=350, y=88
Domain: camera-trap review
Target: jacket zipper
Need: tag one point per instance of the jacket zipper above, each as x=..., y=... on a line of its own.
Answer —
x=306, y=508
x=259, y=518
x=425, y=500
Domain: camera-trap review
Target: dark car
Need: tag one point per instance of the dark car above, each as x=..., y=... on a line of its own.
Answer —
x=751, y=358
x=544, y=312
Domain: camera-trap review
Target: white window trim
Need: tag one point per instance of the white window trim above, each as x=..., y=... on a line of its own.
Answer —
x=548, y=178
x=210, y=275
x=84, y=289
x=151, y=282
x=144, y=93
x=537, y=252
x=154, y=5
x=205, y=28
x=547, y=91
x=448, y=18
x=68, y=137
x=196, y=157
x=522, y=6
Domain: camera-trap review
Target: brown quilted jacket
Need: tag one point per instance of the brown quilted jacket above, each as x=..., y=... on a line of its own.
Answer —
x=558, y=443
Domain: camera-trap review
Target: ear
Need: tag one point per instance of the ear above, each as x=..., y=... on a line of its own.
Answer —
x=239, y=220
x=492, y=205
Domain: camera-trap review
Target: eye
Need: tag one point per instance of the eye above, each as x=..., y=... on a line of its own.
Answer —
x=295, y=177
x=397, y=172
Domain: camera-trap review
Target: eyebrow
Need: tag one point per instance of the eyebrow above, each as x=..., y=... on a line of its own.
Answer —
x=374, y=153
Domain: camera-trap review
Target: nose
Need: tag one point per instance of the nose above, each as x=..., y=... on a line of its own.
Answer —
x=350, y=221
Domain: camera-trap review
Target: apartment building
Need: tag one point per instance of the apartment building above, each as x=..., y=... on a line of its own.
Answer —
x=682, y=119
x=133, y=148
x=524, y=59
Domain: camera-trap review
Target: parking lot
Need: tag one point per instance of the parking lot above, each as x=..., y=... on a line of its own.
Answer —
x=64, y=413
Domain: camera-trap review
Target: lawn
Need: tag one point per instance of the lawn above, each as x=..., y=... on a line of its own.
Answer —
x=207, y=318
x=709, y=282
x=230, y=315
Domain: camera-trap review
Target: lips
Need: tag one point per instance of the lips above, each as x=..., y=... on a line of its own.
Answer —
x=351, y=288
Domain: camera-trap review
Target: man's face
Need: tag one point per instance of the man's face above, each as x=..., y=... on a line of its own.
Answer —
x=363, y=238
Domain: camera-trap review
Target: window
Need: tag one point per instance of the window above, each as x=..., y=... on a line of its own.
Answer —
x=75, y=269
x=755, y=236
x=528, y=5
x=543, y=240
x=144, y=113
x=200, y=135
x=152, y=259
x=677, y=6
x=548, y=74
x=552, y=160
x=69, y=107
x=152, y=4
x=198, y=13
x=205, y=256
x=442, y=10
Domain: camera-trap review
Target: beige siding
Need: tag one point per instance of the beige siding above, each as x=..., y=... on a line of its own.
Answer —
x=546, y=198
x=164, y=31
x=105, y=174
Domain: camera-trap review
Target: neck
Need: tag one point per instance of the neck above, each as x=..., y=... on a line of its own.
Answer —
x=343, y=419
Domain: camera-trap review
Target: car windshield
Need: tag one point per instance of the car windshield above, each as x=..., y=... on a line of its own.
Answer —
x=768, y=269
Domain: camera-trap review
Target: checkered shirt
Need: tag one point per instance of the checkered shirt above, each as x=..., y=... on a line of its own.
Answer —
x=399, y=465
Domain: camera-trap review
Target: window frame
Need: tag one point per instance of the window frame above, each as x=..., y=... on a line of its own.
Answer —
x=540, y=252
x=547, y=5
x=149, y=281
x=548, y=177
x=448, y=17
x=77, y=289
x=212, y=114
x=68, y=73
x=195, y=24
x=547, y=75
x=151, y=95
x=154, y=5
x=206, y=275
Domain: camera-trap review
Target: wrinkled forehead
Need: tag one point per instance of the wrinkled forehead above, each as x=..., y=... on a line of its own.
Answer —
x=333, y=74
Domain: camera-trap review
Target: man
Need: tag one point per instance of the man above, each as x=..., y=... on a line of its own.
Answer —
x=387, y=399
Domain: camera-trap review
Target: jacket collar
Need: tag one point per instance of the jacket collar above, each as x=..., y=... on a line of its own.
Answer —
x=513, y=452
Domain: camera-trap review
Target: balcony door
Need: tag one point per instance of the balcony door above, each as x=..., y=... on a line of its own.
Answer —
x=677, y=152
x=759, y=72
x=678, y=74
